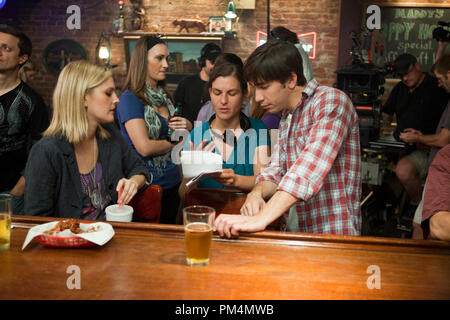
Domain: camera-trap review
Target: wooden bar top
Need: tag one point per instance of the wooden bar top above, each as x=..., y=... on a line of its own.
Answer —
x=147, y=261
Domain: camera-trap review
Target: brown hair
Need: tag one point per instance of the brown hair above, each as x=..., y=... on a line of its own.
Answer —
x=255, y=110
x=274, y=61
x=226, y=65
x=137, y=71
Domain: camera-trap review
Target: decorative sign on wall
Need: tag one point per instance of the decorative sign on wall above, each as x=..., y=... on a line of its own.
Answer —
x=307, y=40
x=60, y=52
x=410, y=29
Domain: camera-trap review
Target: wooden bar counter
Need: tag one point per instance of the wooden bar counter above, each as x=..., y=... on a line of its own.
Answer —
x=147, y=261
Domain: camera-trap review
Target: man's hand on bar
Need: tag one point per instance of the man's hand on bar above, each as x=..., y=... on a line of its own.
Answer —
x=229, y=225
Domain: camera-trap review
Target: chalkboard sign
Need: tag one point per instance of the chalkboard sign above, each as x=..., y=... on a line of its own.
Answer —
x=411, y=30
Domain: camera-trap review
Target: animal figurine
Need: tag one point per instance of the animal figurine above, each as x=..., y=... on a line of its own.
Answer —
x=190, y=23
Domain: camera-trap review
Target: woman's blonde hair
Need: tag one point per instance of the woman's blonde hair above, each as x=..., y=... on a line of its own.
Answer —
x=77, y=79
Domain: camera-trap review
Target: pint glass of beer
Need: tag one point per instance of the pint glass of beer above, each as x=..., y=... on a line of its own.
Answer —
x=198, y=224
x=5, y=220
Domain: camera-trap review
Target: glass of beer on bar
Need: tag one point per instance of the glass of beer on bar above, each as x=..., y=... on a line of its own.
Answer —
x=198, y=225
x=5, y=220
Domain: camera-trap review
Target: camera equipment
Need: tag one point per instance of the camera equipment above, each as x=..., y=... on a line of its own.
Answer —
x=441, y=34
x=362, y=83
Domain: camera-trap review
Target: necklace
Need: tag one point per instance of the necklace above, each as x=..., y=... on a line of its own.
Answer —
x=95, y=195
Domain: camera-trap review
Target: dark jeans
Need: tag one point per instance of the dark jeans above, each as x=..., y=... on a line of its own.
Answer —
x=169, y=206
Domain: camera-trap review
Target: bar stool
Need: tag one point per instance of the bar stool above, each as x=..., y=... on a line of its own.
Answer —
x=147, y=205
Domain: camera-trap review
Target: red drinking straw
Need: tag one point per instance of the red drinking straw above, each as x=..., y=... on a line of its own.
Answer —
x=120, y=195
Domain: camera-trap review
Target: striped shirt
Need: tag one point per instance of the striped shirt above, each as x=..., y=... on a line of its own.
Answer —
x=317, y=160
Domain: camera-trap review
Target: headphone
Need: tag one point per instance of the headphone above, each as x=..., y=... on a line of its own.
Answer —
x=244, y=122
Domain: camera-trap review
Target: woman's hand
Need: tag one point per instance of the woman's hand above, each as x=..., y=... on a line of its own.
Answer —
x=177, y=123
x=204, y=146
x=228, y=178
x=126, y=188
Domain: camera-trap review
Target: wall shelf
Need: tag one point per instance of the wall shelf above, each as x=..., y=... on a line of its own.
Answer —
x=179, y=36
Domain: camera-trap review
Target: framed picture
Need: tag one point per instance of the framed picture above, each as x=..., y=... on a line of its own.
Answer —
x=217, y=25
x=184, y=52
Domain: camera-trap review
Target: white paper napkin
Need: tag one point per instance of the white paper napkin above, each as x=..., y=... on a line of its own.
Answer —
x=103, y=235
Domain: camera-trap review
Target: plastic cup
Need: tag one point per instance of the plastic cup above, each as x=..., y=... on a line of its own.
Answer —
x=124, y=214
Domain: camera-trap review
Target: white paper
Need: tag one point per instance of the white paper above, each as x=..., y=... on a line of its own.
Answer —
x=100, y=237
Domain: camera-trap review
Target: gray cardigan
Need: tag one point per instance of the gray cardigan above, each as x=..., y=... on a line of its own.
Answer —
x=52, y=179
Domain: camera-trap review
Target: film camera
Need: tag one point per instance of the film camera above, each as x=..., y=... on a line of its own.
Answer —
x=363, y=81
x=441, y=34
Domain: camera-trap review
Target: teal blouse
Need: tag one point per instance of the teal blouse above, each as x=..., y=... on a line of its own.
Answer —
x=242, y=156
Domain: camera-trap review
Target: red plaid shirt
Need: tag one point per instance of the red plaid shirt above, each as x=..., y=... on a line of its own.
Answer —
x=317, y=160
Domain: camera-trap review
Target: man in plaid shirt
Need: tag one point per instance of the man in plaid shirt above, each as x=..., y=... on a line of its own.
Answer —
x=315, y=167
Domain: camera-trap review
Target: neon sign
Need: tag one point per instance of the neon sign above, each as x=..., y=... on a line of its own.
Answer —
x=308, y=41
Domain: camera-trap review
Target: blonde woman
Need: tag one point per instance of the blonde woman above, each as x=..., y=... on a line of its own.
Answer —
x=82, y=163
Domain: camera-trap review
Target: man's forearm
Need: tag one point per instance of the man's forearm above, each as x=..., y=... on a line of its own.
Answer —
x=436, y=140
x=280, y=202
x=265, y=188
x=441, y=49
x=440, y=225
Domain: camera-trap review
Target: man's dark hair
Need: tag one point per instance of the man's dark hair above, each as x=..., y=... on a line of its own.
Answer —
x=25, y=46
x=274, y=61
x=442, y=66
x=210, y=51
x=284, y=34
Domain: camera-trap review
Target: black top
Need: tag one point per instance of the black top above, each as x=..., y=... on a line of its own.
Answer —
x=191, y=93
x=23, y=117
x=420, y=109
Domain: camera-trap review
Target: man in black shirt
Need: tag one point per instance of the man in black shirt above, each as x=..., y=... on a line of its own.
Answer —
x=191, y=93
x=23, y=114
x=418, y=103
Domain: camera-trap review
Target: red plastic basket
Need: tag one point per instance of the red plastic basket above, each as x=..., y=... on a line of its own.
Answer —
x=64, y=242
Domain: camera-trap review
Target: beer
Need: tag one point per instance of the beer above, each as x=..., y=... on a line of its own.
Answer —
x=5, y=230
x=198, y=237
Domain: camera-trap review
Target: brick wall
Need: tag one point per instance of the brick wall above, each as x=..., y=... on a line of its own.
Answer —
x=44, y=21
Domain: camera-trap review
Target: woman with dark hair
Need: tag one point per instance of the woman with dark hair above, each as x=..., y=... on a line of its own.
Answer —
x=144, y=111
x=206, y=111
x=284, y=34
x=243, y=142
